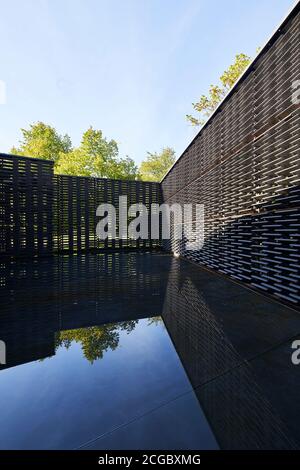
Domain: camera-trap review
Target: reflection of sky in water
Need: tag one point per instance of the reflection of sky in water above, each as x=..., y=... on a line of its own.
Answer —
x=95, y=341
x=102, y=379
x=87, y=362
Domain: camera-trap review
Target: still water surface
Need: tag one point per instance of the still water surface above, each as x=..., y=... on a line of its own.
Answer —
x=90, y=363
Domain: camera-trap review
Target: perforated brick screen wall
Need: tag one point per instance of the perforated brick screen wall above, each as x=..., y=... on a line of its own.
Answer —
x=43, y=213
x=244, y=166
x=26, y=203
x=77, y=199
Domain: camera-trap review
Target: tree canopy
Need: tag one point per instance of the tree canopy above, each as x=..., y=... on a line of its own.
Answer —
x=95, y=340
x=96, y=156
x=42, y=141
x=208, y=103
x=157, y=164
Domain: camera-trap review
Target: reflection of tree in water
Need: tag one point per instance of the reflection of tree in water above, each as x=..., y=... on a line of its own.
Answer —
x=155, y=321
x=95, y=340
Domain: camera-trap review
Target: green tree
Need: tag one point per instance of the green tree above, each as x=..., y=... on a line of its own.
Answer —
x=42, y=141
x=96, y=156
x=156, y=165
x=123, y=168
x=95, y=340
x=157, y=320
x=207, y=104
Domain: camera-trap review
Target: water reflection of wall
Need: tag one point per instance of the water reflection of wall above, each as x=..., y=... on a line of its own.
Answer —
x=217, y=327
x=42, y=297
x=225, y=382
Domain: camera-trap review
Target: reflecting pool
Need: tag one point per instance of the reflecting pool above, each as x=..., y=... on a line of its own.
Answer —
x=142, y=351
x=74, y=379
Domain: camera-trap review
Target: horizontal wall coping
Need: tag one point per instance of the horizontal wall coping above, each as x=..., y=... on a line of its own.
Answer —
x=22, y=157
x=11, y=155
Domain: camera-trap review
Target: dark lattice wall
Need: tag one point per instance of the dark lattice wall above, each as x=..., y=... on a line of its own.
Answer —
x=26, y=202
x=244, y=166
x=42, y=213
x=77, y=199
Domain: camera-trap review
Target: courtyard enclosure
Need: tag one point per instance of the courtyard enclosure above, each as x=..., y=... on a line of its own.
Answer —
x=181, y=340
x=243, y=167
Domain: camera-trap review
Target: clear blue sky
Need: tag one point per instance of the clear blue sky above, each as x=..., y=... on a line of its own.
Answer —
x=129, y=67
